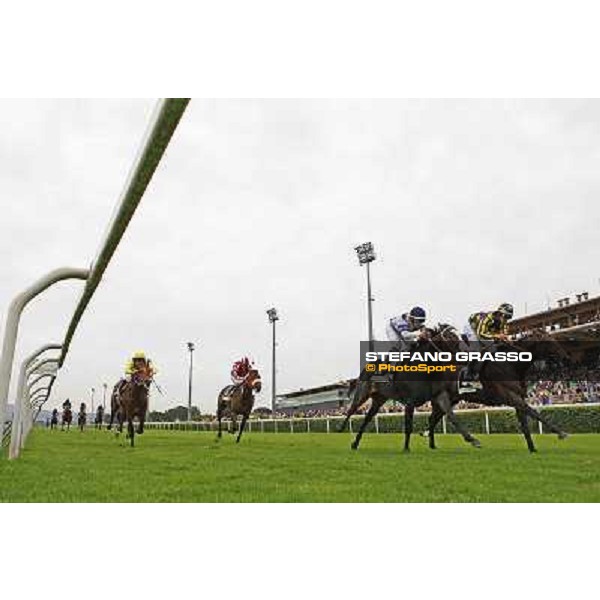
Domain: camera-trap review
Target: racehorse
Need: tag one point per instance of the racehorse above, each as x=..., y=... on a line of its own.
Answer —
x=54, y=419
x=99, y=420
x=130, y=400
x=67, y=418
x=82, y=416
x=234, y=400
x=440, y=389
x=505, y=384
x=114, y=407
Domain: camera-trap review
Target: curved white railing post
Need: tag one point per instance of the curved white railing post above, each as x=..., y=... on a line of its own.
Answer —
x=166, y=117
x=26, y=400
x=18, y=405
x=13, y=318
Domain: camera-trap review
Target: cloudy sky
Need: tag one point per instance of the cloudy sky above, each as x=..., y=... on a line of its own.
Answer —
x=260, y=202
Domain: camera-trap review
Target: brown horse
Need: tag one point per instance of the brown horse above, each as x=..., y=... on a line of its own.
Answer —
x=505, y=384
x=130, y=400
x=114, y=407
x=82, y=416
x=67, y=418
x=54, y=419
x=99, y=420
x=235, y=400
x=440, y=390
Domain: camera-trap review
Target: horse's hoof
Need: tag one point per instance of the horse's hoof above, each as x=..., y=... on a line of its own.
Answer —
x=406, y=450
x=475, y=443
x=433, y=447
x=532, y=450
x=354, y=446
x=563, y=435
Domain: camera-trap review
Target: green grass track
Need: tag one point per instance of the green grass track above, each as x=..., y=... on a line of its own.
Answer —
x=193, y=467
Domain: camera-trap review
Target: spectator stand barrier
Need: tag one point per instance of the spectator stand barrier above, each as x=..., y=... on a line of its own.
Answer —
x=575, y=418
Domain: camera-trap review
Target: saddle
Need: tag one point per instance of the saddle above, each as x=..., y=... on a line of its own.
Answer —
x=229, y=391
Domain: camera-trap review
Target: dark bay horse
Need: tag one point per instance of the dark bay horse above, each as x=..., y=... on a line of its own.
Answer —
x=439, y=389
x=54, y=419
x=130, y=400
x=99, y=420
x=82, y=416
x=234, y=400
x=505, y=384
x=67, y=418
x=114, y=407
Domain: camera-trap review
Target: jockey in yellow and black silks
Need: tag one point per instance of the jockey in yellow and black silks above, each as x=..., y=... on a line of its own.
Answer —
x=487, y=328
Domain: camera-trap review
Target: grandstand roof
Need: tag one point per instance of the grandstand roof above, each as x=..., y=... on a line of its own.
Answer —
x=579, y=317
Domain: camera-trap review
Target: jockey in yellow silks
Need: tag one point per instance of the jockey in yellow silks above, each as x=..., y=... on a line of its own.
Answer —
x=485, y=328
x=138, y=363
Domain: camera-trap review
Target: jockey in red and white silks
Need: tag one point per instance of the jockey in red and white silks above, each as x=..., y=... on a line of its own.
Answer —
x=240, y=370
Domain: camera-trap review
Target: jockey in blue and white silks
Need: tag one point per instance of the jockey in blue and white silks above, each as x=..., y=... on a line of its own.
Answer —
x=407, y=328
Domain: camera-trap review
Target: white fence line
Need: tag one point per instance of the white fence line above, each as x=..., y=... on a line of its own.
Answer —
x=330, y=421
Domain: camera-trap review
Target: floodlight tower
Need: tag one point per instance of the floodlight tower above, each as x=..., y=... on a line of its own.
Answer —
x=273, y=318
x=191, y=347
x=366, y=255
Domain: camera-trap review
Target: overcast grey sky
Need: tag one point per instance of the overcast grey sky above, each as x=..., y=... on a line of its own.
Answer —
x=260, y=202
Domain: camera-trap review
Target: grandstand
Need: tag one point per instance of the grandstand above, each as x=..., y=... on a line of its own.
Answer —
x=578, y=319
x=323, y=398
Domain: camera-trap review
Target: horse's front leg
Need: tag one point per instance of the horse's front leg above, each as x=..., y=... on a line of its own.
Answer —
x=467, y=436
x=130, y=430
x=141, y=422
x=434, y=418
x=219, y=417
x=242, y=425
x=409, y=412
x=376, y=403
x=357, y=402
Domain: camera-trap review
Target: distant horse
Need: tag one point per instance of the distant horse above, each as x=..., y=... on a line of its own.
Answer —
x=505, y=384
x=82, y=417
x=114, y=407
x=130, y=400
x=439, y=389
x=99, y=420
x=67, y=418
x=54, y=419
x=234, y=400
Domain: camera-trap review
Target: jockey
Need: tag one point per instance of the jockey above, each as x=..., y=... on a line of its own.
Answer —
x=66, y=404
x=136, y=364
x=486, y=328
x=407, y=328
x=240, y=370
x=489, y=326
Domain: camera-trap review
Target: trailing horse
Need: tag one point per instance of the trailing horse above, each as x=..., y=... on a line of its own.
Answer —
x=437, y=388
x=99, y=420
x=67, y=418
x=234, y=400
x=114, y=407
x=82, y=417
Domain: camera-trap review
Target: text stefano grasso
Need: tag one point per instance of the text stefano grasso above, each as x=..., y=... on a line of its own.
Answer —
x=396, y=356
